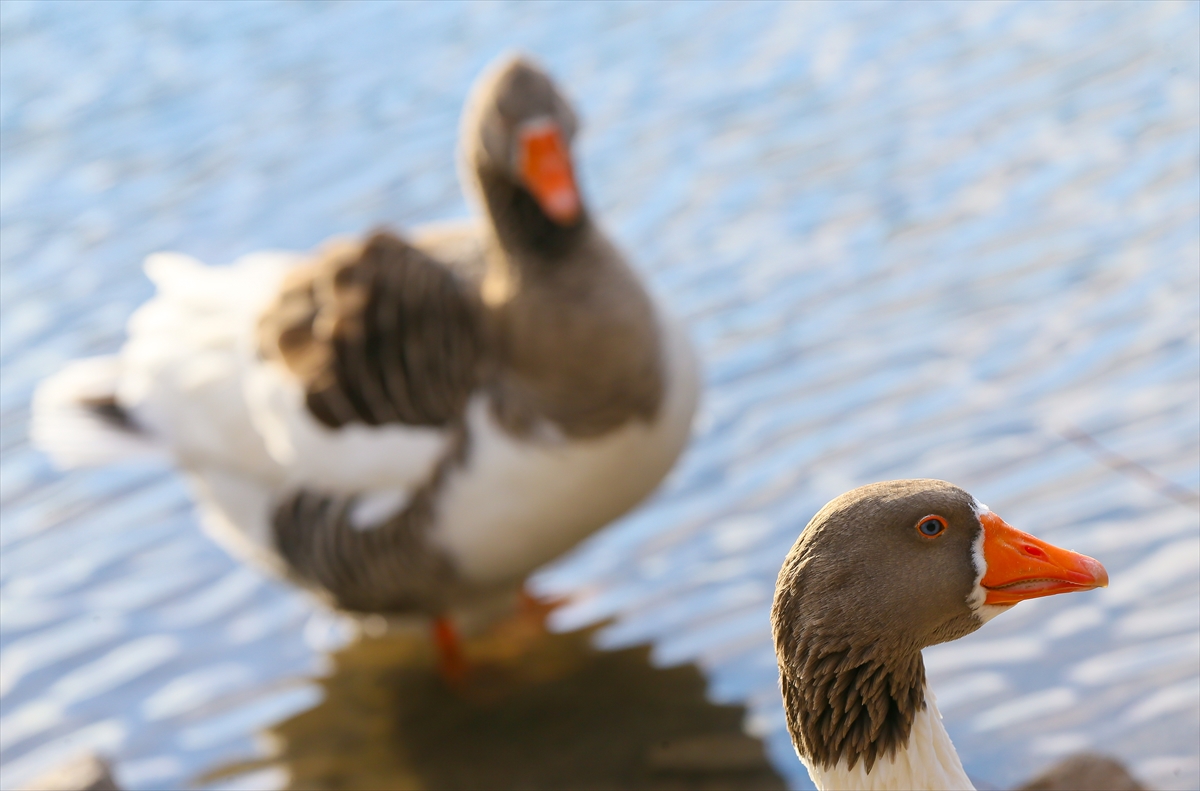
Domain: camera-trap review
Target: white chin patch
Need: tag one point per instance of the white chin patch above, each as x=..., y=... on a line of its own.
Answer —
x=986, y=612
x=976, y=601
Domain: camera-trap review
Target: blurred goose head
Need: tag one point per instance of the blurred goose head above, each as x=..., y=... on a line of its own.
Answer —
x=515, y=144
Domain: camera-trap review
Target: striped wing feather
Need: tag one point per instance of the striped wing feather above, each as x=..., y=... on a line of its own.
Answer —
x=379, y=333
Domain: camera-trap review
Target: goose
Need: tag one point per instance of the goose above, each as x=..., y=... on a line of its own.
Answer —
x=406, y=426
x=880, y=573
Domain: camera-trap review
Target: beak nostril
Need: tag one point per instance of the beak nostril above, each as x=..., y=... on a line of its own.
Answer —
x=1034, y=551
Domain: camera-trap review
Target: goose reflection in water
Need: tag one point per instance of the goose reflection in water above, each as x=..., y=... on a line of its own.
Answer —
x=539, y=710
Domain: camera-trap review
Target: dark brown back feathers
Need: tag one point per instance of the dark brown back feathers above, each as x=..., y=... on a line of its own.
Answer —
x=378, y=334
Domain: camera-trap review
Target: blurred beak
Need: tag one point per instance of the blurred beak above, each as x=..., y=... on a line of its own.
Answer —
x=1021, y=567
x=545, y=164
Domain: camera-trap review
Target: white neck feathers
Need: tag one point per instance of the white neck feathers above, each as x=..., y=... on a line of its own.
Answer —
x=928, y=762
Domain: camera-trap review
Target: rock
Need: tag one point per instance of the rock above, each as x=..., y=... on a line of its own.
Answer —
x=1084, y=772
x=718, y=752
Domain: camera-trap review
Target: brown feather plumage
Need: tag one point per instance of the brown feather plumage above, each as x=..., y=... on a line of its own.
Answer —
x=377, y=333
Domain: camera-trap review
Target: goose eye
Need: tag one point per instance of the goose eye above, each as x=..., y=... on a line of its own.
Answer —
x=931, y=526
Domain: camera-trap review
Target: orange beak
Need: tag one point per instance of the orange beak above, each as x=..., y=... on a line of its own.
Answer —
x=545, y=164
x=1021, y=567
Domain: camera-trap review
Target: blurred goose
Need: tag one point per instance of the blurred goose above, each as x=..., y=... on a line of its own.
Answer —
x=406, y=425
x=880, y=573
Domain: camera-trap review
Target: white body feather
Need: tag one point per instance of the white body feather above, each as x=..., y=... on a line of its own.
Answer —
x=518, y=503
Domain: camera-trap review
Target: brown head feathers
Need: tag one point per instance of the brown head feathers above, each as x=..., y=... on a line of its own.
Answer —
x=860, y=594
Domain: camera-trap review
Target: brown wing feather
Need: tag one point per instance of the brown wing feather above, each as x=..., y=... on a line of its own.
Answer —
x=378, y=333
x=390, y=568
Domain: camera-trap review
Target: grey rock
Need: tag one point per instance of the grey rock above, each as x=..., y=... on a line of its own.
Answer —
x=1084, y=772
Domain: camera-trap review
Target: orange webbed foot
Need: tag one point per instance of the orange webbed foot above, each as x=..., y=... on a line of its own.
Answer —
x=452, y=662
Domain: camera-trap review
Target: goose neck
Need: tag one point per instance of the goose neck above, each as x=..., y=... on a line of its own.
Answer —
x=523, y=231
x=927, y=761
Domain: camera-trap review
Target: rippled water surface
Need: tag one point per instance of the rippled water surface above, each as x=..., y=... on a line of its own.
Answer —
x=955, y=240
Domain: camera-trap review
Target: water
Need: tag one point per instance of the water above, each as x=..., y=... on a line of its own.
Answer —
x=952, y=240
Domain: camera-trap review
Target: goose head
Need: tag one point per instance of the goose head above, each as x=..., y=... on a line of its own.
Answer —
x=515, y=144
x=880, y=573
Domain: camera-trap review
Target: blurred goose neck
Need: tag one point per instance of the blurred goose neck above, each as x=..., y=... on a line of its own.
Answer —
x=522, y=229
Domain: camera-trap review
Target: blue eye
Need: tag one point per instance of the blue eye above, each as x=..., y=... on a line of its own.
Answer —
x=931, y=526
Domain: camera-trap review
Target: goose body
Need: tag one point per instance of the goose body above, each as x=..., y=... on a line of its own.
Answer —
x=405, y=425
x=879, y=574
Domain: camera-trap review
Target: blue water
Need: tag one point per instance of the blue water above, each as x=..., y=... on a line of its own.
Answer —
x=908, y=240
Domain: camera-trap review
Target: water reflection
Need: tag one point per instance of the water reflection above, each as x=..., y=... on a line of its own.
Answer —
x=539, y=710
